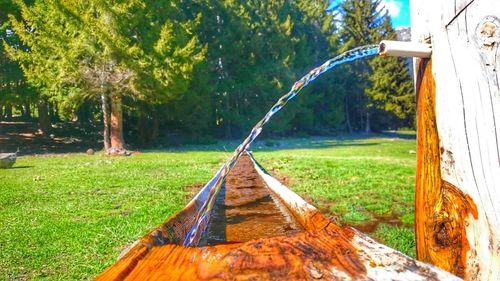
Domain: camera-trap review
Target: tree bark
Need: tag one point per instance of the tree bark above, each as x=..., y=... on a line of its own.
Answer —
x=105, y=121
x=26, y=112
x=347, y=118
x=43, y=117
x=54, y=113
x=368, y=128
x=117, y=141
x=8, y=111
x=457, y=205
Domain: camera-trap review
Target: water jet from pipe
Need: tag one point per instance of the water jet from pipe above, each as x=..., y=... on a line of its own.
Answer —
x=388, y=48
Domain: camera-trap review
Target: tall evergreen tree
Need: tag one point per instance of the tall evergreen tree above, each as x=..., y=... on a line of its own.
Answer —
x=360, y=22
x=391, y=94
x=142, y=49
x=12, y=82
x=374, y=91
x=249, y=58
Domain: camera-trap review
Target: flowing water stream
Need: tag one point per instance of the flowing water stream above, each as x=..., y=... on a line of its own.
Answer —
x=211, y=189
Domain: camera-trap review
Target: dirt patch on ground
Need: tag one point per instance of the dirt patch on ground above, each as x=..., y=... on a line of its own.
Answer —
x=192, y=190
x=65, y=138
x=372, y=225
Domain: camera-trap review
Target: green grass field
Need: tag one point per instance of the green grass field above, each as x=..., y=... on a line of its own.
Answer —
x=67, y=217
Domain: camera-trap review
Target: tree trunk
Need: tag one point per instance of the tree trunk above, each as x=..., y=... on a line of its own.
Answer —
x=155, y=131
x=84, y=113
x=148, y=127
x=141, y=127
x=457, y=212
x=43, y=117
x=26, y=111
x=368, y=128
x=347, y=117
x=8, y=111
x=1, y=112
x=117, y=141
x=105, y=121
x=54, y=113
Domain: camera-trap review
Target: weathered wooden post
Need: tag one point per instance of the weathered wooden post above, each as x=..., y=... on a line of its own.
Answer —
x=458, y=162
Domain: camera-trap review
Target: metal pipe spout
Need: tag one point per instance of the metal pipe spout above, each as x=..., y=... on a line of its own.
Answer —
x=404, y=49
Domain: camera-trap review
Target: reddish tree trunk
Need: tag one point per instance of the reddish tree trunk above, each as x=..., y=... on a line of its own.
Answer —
x=117, y=141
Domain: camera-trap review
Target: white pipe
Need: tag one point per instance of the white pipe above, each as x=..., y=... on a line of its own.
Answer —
x=404, y=49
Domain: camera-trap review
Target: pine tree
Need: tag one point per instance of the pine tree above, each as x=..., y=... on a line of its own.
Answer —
x=13, y=87
x=392, y=98
x=141, y=49
x=374, y=90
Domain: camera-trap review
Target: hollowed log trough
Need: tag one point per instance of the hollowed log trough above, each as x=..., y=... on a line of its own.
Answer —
x=261, y=230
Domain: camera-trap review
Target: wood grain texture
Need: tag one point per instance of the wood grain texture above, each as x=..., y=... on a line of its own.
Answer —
x=441, y=208
x=459, y=161
x=324, y=251
x=328, y=254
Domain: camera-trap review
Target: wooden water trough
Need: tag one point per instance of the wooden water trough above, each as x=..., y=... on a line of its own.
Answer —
x=261, y=230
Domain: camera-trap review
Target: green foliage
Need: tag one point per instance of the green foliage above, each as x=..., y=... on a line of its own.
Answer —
x=13, y=87
x=392, y=92
x=381, y=92
x=75, y=48
x=205, y=66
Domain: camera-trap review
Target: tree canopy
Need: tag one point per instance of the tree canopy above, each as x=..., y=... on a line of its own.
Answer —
x=198, y=69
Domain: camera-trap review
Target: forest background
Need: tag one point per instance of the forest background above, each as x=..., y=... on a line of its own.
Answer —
x=166, y=72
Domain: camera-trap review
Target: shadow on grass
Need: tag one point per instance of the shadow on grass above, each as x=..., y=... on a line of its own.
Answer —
x=22, y=167
x=345, y=140
x=23, y=136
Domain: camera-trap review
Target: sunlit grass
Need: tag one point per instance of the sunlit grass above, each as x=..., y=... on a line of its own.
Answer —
x=67, y=217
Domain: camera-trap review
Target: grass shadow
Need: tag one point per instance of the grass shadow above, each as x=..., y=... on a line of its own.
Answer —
x=289, y=143
x=22, y=167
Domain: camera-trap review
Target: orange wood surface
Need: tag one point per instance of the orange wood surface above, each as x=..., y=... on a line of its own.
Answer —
x=441, y=208
x=319, y=249
x=304, y=256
